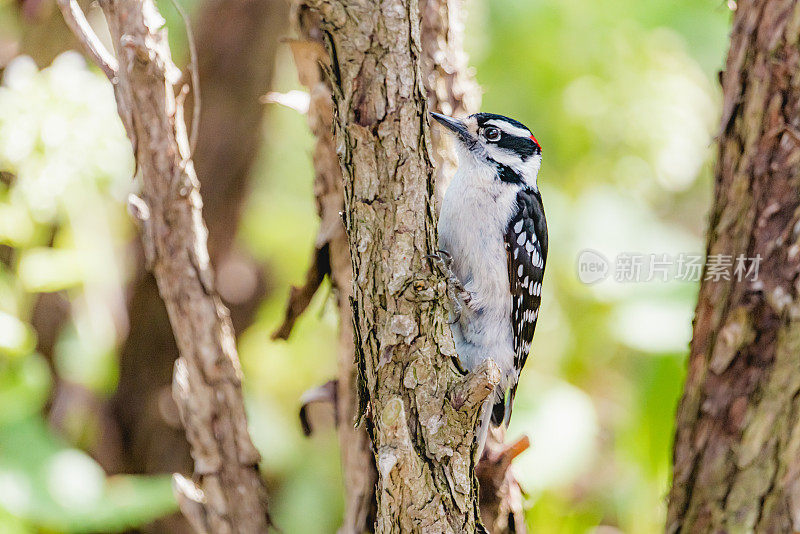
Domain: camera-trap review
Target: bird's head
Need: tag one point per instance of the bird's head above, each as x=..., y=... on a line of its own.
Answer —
x=486, y=139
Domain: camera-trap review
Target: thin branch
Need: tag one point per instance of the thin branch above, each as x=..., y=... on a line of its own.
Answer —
x=300, y=297
x=76, y=20
x=324, y=394
x=195, y=74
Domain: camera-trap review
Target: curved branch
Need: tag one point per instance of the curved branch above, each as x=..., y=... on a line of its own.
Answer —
x=76, y=20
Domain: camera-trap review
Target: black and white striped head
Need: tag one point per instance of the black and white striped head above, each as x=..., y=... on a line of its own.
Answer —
x=498, y=141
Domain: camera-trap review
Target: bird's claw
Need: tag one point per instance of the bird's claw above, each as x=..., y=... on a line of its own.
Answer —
x=443, y=261
x=456, y=292
x=455, y=312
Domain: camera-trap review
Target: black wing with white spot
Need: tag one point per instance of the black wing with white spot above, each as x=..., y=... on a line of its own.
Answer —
x=526, y=245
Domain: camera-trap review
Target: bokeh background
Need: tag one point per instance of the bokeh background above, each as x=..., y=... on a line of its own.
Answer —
x=622, y=95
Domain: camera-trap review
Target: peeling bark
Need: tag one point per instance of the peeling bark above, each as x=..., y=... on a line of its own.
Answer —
x=422, y=413
x=737, y=446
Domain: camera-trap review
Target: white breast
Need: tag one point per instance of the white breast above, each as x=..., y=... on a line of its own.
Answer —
x=475, y=212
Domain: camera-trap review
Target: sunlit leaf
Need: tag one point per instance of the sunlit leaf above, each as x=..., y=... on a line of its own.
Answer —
x=47, y=269
x=16, y=226
x=16, y=337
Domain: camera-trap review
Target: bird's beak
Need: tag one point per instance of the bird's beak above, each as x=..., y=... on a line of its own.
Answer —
x=454, y=125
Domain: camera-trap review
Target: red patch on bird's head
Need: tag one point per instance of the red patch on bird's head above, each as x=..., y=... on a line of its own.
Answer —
x=535, y=141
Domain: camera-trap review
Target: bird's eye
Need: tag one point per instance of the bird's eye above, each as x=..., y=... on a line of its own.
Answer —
x=491, y=133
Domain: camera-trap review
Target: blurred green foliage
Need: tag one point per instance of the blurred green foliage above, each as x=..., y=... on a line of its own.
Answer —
x=623, y=98
x=62, y=229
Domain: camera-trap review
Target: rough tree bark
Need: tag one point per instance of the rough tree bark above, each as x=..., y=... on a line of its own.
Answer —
x=228, y=494
x=450, y=89
x=422, y=414
x=737, y=446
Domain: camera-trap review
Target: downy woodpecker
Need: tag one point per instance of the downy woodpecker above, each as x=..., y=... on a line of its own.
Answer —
x=493, y=244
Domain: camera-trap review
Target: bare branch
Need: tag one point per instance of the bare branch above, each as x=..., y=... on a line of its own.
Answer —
x=300, y=297
x=76, y=20
x=230, y=495
x=324, y=394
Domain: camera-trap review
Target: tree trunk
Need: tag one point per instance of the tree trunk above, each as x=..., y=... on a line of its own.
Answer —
x=737, y=446
x=422, y=414
x=228, y=494
x=450, y=89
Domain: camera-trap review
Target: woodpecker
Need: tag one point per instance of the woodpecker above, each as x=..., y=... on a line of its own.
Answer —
x=493, y=246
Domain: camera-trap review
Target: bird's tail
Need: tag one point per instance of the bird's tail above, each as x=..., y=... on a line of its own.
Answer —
x=495, y=413
x=501, y=411
x=483, y=430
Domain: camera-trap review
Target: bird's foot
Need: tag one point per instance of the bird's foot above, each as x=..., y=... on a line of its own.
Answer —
x=457, y=295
